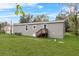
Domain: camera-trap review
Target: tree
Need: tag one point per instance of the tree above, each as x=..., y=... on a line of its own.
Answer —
x=61, y=17
x=73, y=23
x=73, y=19
x=41, y=18
x=26, y=19
x=2, y=25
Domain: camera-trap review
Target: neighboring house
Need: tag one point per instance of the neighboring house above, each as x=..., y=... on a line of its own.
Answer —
x=8, y=29
x=55, y=28
x=5, y=27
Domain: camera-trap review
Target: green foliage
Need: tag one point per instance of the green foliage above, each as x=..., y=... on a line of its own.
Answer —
x=26, y=19
x=30, y=18
x=22, y=13
x=38, y=18
x=41, y=18
x=2, y=32
x=20, y=7
x=17, y=6
x=14, y=45
x=64, y=17
x=73, y=23
x=16, y=12
x=18, y=34
x=19, y=10
x=2, y=25
x=60, y=17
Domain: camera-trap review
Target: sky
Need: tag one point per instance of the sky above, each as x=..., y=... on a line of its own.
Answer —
x=7, y=10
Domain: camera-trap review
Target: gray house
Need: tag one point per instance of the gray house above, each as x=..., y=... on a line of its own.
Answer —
x=55, y=29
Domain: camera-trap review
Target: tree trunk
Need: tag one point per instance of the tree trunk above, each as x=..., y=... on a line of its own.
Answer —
x=76, y=25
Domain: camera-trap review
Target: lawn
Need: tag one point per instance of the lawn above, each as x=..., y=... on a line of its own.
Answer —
x=12, y=45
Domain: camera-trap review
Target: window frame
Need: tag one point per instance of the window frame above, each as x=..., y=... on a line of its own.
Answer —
x=26, y=27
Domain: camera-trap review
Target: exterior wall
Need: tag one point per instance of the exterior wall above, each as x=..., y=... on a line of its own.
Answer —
x=7, y=29
x=55, y=30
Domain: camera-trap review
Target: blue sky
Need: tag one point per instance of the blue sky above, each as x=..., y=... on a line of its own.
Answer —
x=7, y=10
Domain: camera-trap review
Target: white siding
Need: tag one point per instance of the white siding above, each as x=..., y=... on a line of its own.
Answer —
x=55, y=30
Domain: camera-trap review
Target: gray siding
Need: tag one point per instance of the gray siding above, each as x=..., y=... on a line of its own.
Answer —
x=55, y=30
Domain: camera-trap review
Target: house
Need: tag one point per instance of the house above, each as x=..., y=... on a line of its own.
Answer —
x=7, y=29
x=55, y=29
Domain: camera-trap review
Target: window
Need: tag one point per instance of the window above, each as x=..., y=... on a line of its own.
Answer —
x=26, y=27
x=33, y=26
x=44, y=26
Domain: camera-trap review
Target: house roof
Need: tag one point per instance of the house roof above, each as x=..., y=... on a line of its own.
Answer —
x=36, y=23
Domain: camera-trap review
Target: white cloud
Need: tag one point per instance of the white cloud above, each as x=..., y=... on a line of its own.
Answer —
x=40, y=6
x=13, y=5
x=9, y=20
x=52, y=16
x=33, y=5
x=8, y=15
x=28, y=4
x=7, y=6
x=5, y=20
x=1, y=10
x=38, y=13
x=65, y=8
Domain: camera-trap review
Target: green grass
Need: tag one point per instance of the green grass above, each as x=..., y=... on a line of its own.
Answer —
x=12, y=45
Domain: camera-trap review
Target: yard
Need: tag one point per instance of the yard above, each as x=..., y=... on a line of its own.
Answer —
x=13, y=45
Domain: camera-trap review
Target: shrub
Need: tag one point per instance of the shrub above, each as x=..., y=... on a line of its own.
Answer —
x=18, y=33
x=2, y=31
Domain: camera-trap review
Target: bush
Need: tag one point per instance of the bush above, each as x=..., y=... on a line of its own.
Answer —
x=18, y=33
x=2, y=31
